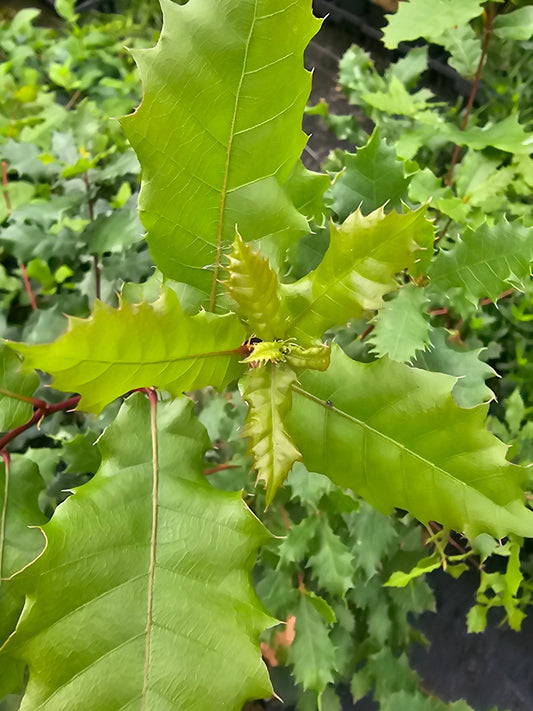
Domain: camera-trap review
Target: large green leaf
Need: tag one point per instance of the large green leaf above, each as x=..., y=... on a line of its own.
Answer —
x=14, y=411
x=219, y=130
x=267, y=389
x=143, y=596
x=358, y=269
x=429, y=19
x=19, y=545
x=140, y=345
x=411, y=446
x=484, y=262
x=372, y=177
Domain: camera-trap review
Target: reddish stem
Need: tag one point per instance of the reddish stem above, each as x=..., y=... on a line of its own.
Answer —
x=285, y=517
x=219, y=468
x=367, y=332
x=490, y=15
x=43, y=410
x=27, y=286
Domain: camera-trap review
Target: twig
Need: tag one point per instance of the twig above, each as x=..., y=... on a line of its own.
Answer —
x=96, y=263
x=75, y=96
x=43, y=410
x=219, y=468
x=368, y=330
x=9, y=208
x=491, y=14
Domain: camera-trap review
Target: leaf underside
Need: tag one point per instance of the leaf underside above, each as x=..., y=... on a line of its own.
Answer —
x=146, y=602
x=219, y=131
x=140, y=345
x=411, y=447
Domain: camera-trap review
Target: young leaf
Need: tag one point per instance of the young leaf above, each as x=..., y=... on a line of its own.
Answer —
x=254, y=285
x=14, y=411
x=484, y=262
x=312, y=653
x=140, y=345
x=267, y=390
x=135, y=595
x=306, y=190
x=401, y=455
x=223, y=167
x=428, y=19
x=402, y=327
x=516, y=25
x=372, y=177
x=464, y=47
x=357, y=270
x=19, y=545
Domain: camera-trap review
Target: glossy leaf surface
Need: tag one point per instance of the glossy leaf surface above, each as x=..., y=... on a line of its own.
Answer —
x=140, y=345
x=219, y=130
x=136, y=594
x=358, y=269
x=411, y=447
x=13, y=411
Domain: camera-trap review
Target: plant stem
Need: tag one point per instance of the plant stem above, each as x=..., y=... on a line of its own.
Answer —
x=219, y=468
x=25, y=279
x=5, y=457
x=489, y=20
x=96, y=263
x=43, y=410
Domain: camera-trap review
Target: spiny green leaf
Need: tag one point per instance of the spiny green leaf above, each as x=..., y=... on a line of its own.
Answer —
x=332, y=564
x=222, y=167
x=296, y=546
x=372, y=536
x=358, y=269
x=152, y=600
x=401, y=454
x=464, y=47
x=372, y=177
x=13, y=411
x=306, y=190
x=471, y=372
x=267, y=390
x=19, y=545
x=140, y=345
x=428, y=19
x=402, y=327
x=254, y=285
x=484, y=262
x=506, y=135
x=312, y=654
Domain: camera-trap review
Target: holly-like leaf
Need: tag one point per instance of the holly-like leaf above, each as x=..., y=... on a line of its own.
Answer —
x=306, y=190
x=357, y=270
x=401, y=453
x=155, y=585
x=267, y=390
x=372, y=537
x=484, y=262
x=254, y=285
x=471, y=372
x=222, y=167
x=115, y=232
x=140, y=345
x=20, y=486
x=312, y=654
x=332, y=564
x=402, y=327
x=14, y=411
x=372, y=177
x=428, y=19
x=464, y=47
x=400, y=579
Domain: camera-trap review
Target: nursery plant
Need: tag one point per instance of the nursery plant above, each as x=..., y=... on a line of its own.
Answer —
x=139, y=594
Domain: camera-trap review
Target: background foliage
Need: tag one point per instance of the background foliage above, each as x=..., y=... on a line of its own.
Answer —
x=345, y=577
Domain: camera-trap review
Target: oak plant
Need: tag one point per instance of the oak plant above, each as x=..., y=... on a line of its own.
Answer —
x=140, y=596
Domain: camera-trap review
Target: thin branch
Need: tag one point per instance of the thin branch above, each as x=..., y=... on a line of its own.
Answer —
x=42, y=411
x=96, y=263
x=489, y=20
x=219, y=468
x=9, y=208
x=5, y=457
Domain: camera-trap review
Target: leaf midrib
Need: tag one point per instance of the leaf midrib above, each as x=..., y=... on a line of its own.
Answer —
x=224, y=191
x=398, y=445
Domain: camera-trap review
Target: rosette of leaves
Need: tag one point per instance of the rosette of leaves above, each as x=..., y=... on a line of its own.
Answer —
x=167, y=573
